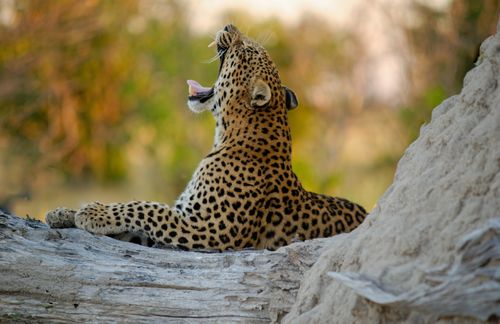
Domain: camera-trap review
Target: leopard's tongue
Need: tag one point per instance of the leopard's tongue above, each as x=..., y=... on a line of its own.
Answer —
x=195, y=88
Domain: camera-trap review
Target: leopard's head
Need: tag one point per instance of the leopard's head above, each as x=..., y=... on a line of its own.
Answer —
x=247, y=83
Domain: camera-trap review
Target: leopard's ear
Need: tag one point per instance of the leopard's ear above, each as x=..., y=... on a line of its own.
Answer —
x=261, y=94
x=290, y=99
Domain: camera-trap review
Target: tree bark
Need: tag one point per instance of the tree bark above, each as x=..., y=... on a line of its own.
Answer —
x=69, y=275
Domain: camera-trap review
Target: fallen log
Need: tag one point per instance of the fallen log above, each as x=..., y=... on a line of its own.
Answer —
x=69, y=275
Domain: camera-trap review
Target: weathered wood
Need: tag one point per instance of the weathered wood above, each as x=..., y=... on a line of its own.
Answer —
x=70, y=275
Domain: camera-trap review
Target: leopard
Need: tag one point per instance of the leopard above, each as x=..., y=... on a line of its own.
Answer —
x=244, y=193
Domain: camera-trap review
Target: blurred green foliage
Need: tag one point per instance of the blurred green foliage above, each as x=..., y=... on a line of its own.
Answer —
x=94, y=92
x=444, y=46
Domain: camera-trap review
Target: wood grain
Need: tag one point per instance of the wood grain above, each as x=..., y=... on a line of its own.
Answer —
x=69, y=275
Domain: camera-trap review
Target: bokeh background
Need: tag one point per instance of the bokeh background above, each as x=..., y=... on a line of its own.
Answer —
x=93, y=93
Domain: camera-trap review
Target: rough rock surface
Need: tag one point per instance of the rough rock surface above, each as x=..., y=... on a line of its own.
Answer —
x=430, y=250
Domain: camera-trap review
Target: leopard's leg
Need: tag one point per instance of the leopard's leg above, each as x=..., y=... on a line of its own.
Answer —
x=160, y=222
x=97, y=218
x=65, y=218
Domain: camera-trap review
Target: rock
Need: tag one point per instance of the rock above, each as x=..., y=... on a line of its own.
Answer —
x=430, y=250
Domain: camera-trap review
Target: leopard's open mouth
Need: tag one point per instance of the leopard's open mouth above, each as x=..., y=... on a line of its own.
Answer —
x=197, y=92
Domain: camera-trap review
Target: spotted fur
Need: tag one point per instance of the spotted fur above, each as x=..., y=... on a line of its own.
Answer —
x=244, y=193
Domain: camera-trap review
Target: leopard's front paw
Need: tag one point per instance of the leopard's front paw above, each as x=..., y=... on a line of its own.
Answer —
x=99, y=219
x=61, y=218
